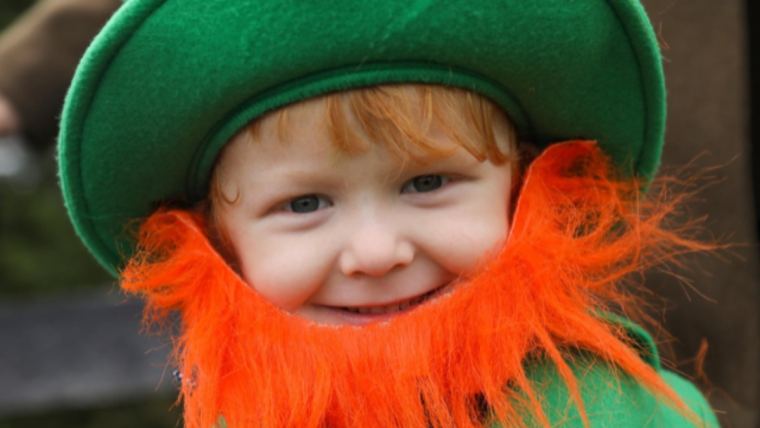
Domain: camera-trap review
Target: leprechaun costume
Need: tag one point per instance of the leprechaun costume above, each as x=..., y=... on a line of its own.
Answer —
x=168, y=82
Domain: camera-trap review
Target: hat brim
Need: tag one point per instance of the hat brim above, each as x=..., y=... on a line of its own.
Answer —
x=168, y=82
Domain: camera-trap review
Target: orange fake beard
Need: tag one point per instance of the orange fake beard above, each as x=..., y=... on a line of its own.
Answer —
x=576, y=232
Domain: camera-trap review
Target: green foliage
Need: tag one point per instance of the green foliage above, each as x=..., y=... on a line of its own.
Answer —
x=39, y=252
x=10, y=8
x=157, y=413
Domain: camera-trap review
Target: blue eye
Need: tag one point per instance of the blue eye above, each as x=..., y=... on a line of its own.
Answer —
x=425, y=183
x=306, y=204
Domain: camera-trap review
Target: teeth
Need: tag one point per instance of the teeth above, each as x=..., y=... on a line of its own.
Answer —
x=376, y=310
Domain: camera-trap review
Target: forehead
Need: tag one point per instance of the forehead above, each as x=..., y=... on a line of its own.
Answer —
x=413, y=124
x=299, y=137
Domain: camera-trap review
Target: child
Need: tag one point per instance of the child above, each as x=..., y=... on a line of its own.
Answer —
x=332, y=198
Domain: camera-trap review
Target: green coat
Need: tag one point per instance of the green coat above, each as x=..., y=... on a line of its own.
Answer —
x=613, y=399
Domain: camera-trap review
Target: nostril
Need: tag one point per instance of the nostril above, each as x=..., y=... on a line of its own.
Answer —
x=376, y=261
x=405, y=253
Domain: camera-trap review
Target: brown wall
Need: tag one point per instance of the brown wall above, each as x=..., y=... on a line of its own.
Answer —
x=706, y=66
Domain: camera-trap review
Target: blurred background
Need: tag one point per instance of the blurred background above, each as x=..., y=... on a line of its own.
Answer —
x=70, y=350
x=72, y=355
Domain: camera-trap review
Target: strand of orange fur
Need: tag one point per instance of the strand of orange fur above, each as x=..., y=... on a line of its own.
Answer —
x=571, y=215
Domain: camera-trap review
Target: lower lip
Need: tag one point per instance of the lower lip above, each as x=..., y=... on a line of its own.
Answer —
x=339, y=316
x=353, y=318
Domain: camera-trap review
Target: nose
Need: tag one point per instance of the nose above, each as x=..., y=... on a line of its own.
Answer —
x=375, y=248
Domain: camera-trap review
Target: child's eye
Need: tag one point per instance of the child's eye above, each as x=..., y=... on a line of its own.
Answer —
x=306, y=204
x=425, y=183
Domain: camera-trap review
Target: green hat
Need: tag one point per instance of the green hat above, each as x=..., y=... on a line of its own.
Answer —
x=168, y=82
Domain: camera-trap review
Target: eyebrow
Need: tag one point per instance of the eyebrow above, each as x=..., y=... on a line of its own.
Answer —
x=297, y=177
x=308, y=175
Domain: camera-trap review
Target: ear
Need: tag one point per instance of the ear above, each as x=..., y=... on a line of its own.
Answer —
x=217, y=233
x=527, y=152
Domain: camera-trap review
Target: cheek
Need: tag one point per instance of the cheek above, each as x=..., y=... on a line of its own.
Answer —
x=480, y=241
x=286, y=272
x=472, y=237
x=284, y=276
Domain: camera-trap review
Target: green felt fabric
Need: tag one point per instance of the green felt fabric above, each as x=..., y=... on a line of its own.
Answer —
x=641, y=339
x=612, y=399
x=167, y=82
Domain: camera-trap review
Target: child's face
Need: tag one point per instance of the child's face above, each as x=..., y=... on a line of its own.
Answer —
x=351, y=239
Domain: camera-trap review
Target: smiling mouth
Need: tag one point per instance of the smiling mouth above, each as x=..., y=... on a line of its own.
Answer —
x=392, y=308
